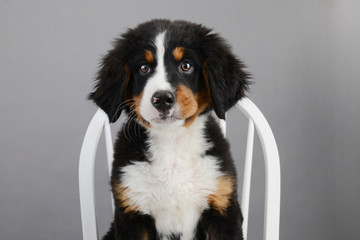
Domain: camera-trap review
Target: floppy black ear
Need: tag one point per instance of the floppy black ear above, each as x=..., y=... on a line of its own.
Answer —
x=111, y=81
x=227, y=79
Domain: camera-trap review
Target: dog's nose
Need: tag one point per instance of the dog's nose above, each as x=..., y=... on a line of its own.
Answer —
x=163, y=100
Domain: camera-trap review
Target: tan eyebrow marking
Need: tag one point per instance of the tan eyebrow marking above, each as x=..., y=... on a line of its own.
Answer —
x=149, y=57
x=178, y=53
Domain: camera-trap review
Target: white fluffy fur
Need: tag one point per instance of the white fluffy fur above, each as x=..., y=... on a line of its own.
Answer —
x=173, y=187
x=156, y=83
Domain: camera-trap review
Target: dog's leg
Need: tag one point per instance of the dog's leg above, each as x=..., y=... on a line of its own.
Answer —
x=223, y=225
x=132, y=226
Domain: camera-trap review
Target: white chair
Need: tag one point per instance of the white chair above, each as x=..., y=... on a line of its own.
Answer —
x=272, y=169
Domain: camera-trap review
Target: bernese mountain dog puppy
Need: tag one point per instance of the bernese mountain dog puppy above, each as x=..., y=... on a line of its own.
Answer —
x=173, y=177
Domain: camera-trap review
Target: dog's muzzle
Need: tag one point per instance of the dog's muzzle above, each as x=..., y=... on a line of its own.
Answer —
x=163, y=101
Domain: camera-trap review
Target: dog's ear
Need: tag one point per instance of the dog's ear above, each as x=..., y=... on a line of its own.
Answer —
x=227, y=79
x=111, y=81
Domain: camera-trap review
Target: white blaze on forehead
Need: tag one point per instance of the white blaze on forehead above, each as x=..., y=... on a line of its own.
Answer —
x=157, y=82
x=160, y=53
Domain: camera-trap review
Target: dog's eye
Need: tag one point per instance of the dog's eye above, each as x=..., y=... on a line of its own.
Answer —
x=144, y=68
x=186, y=66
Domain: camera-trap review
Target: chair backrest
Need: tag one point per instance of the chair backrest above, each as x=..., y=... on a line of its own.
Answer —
x=257, y=121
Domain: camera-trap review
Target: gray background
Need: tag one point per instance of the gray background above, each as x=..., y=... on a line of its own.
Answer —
x=304, y=57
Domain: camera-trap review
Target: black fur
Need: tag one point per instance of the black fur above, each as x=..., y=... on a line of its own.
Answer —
x=118, y=79
x=226, y=75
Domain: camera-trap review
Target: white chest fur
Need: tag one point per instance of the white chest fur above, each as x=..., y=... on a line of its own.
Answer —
x=173, y=187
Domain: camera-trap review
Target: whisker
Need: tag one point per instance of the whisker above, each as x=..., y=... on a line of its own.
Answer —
x=132, y=115
x=121, y=106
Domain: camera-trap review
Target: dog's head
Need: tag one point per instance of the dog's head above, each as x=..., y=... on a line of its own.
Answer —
x=164, y=72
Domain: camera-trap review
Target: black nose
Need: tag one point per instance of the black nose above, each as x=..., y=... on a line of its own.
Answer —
x=163, y=100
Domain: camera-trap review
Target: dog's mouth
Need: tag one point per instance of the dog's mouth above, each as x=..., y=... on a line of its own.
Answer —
x=165, y=117
x=163, y=120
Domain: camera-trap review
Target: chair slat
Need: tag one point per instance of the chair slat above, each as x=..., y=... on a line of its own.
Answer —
x=86, y=175
x=109, y=154
x=245, y=196
x=272, y=168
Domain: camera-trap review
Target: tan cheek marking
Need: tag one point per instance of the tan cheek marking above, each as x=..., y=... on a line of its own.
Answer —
x=136, y=108
x=220, y=200
x=121, y=194
x=187, y=102
x=203, y=100
x=178, y=53
x=149, y=57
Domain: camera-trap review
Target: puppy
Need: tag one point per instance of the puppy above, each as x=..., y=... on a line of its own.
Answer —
x=173, y=176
